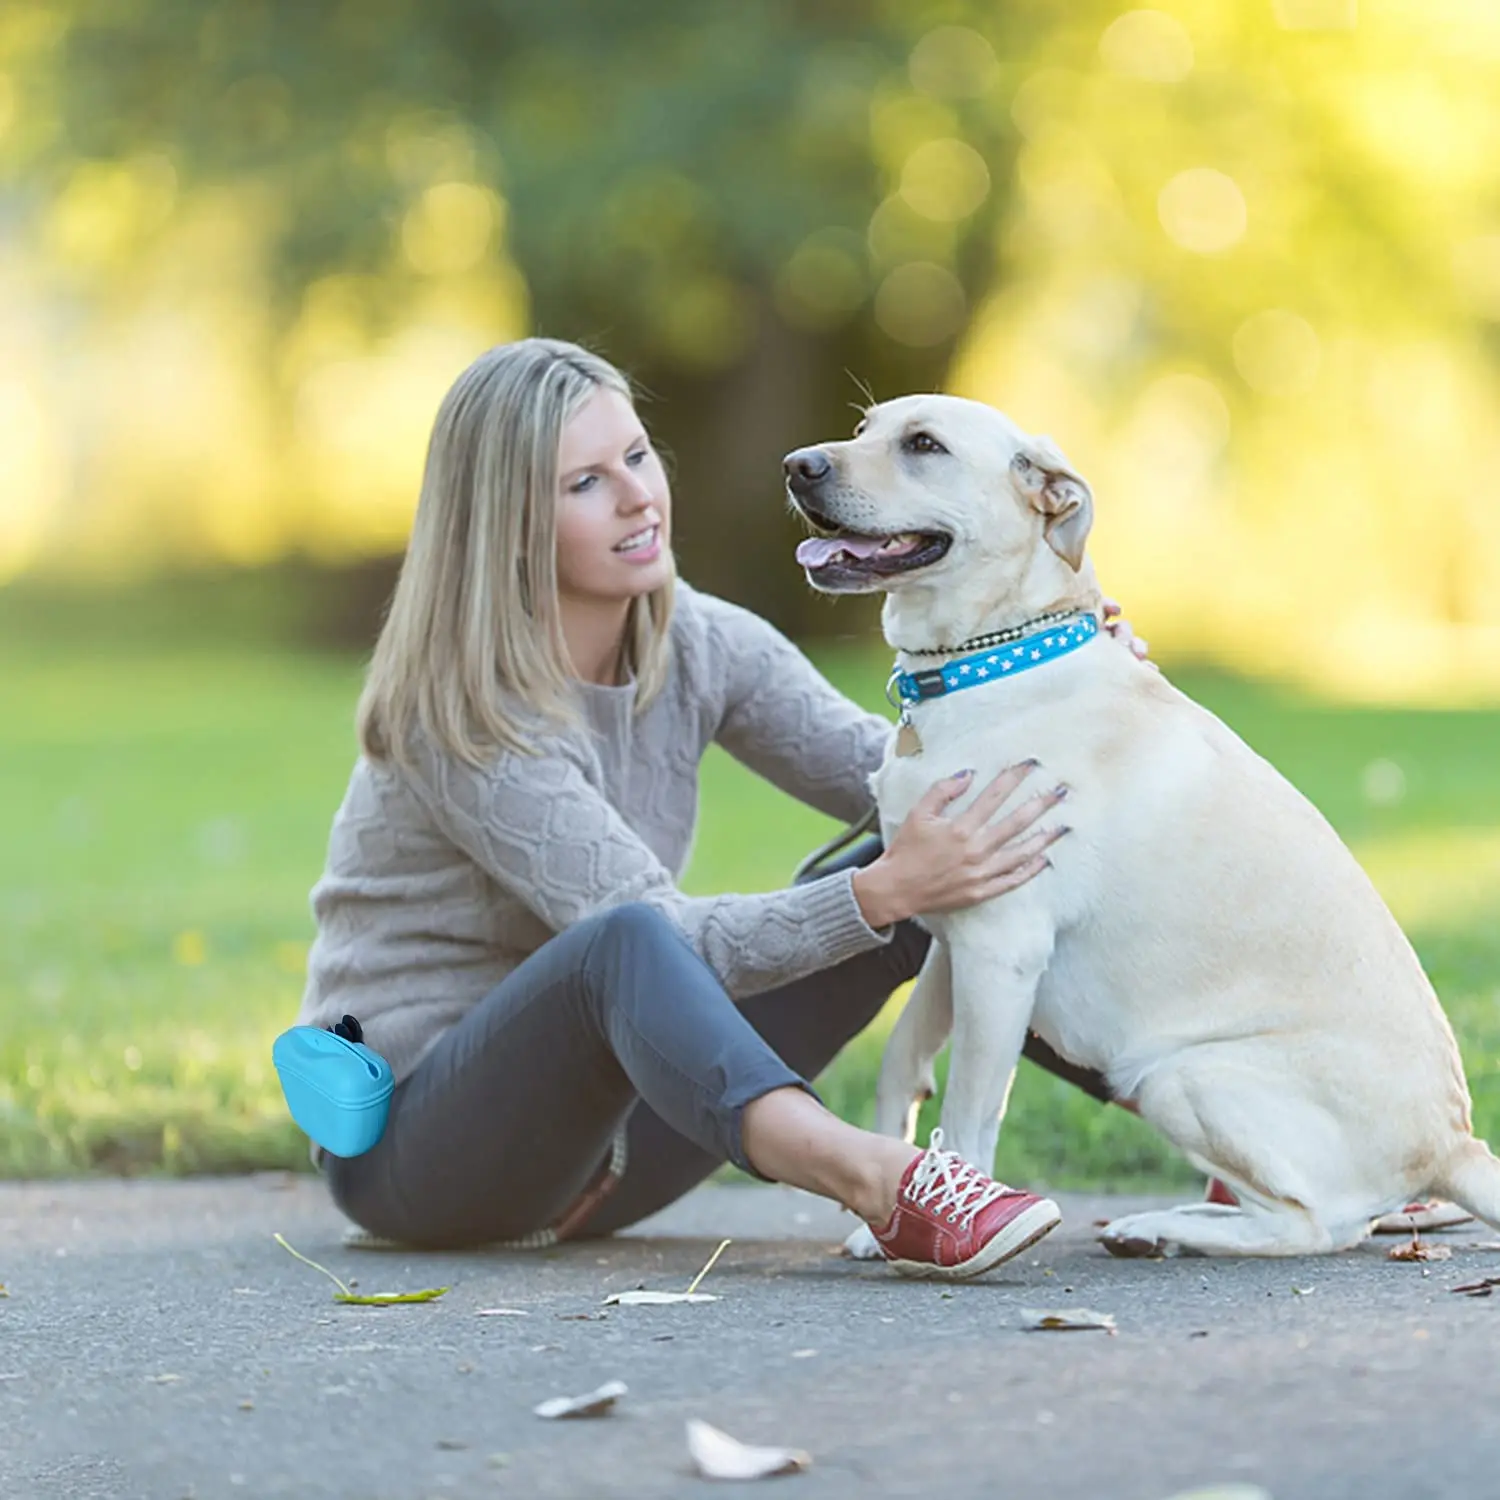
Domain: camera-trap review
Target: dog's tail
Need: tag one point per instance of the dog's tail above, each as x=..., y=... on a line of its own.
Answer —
x=1472, y=1180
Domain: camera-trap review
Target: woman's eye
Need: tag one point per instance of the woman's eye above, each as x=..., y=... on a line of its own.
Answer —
x=637, y=457
x=923, y=442
x=583, y=485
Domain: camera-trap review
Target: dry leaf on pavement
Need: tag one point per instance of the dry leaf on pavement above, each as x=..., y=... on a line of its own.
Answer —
x=716, y=1455
x=1419, y=1249
x=1066, y=1320
x=655, y=1299
x=596, y=1404
x=664, y=1299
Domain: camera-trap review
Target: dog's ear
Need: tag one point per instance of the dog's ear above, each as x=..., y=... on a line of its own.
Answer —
x=1044, y=477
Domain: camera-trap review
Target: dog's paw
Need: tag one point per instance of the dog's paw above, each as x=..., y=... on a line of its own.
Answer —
x=1133, y=1238
x=1142, y=1237
x=861, y=1245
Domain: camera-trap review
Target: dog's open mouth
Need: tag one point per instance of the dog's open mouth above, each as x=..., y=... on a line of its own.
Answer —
x=852, y=555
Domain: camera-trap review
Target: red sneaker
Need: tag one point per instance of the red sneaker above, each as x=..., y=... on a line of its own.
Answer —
x=953, y=1222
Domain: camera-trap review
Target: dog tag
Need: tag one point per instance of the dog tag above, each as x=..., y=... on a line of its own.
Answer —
x=907, y=742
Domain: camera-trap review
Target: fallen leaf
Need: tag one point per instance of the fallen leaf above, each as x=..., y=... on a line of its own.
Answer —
x=643, y=1298
x=247, y=1406
x=363, y=1299
x=1066, y=1320
x=501, y=1312
x=3, y=1292
x=716, y=1455
x=163, y=1379
x=655, y=1299
x=1485, y=1288
x=595, y=1404
x=390, y=1299
x=1303, y=1291
x=1419, y=1249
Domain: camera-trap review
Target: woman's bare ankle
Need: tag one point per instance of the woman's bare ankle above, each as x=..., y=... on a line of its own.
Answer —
x=887, y=1164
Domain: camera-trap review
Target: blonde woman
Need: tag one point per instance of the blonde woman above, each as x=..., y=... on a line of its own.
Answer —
x=575, y=1042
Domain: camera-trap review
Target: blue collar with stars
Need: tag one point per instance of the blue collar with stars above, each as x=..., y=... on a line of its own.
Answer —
x=990, y=666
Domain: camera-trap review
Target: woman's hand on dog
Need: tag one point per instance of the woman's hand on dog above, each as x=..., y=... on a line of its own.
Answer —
x=941, y=863
x=1119, y=627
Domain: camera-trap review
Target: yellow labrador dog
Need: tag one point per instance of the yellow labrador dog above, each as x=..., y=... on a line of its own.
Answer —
x=1203, y=939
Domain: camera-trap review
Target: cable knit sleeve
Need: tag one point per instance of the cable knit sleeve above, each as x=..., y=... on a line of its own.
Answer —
x=785, y=720
x=551, y=839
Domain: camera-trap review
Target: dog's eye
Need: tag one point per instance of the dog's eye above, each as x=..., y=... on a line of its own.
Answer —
x=922, y=442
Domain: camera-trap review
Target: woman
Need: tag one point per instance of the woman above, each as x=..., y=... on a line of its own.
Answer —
x=575, y=1043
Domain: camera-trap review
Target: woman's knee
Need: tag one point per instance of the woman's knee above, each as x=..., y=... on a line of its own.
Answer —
x=636, y=930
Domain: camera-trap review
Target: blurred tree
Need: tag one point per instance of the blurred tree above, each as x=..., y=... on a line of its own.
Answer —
x=751, y=207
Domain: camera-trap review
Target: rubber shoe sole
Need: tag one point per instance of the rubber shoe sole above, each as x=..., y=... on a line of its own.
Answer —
x=1020, y=1234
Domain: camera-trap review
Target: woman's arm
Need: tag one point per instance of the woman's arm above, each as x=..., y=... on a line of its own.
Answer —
x=540, y=829
x=785, y=720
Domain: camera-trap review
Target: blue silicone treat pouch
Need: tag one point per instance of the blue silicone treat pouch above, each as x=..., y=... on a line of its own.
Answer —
x=339, y=1091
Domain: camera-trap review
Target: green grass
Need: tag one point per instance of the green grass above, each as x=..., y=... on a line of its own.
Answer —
x=163, y=814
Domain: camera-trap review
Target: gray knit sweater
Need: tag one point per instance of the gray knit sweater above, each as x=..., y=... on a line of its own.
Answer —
x=441, y=880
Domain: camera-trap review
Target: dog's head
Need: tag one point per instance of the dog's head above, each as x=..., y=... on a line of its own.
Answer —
x=940, y=491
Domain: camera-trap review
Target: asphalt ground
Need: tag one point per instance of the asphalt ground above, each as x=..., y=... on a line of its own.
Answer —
x=158, y=1344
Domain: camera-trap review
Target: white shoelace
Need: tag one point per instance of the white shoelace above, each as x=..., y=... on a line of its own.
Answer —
x=946, y=1185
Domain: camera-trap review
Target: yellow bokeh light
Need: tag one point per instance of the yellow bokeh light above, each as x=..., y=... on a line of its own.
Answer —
x=31, y=474
x=1147, y=44
x=105, y=207
x=708, y=322
x=899, y=125
x=1203, y=210
x=898, y=233
x=1316, y=15
x=8, y=104
x=1277, y=352
x=823, y=281
x=920, y=304
x=449, y=228
x=945, y=180
x=953, y=62
x=1476, y=274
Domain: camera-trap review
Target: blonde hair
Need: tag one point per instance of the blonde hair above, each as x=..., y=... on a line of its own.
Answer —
x=471, y=655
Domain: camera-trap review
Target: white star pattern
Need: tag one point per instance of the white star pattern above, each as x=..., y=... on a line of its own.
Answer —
x=1019, y=657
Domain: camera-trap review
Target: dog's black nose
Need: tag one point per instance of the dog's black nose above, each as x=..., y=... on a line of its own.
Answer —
x=807, y=466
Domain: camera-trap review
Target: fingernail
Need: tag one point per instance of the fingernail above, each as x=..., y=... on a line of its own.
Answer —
x=1031, y=764
x=962, y=775
x=1067, y=828
x=1061, y=791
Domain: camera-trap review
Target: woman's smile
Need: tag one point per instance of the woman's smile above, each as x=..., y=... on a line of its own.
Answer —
x=642, y=546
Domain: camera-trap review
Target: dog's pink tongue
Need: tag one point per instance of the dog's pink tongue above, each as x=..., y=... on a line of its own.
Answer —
x=817, y=551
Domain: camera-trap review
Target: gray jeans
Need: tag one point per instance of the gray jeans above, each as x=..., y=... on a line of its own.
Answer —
x=617, y=1020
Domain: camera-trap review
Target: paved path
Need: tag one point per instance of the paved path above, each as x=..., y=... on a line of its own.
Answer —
x=157, y=1344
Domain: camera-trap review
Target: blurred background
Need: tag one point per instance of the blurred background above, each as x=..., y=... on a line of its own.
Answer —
x=1241, y=262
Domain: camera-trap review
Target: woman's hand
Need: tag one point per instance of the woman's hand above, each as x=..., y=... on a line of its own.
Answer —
x=938, y=863
x=1119, y=627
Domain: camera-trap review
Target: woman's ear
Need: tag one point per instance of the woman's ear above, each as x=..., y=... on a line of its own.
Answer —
x=1041, y=473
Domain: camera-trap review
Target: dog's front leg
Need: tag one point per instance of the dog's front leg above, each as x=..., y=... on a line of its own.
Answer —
x=906, y=1067
x=997, y=965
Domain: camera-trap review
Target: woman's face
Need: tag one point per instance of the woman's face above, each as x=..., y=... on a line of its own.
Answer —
x=613, y=506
